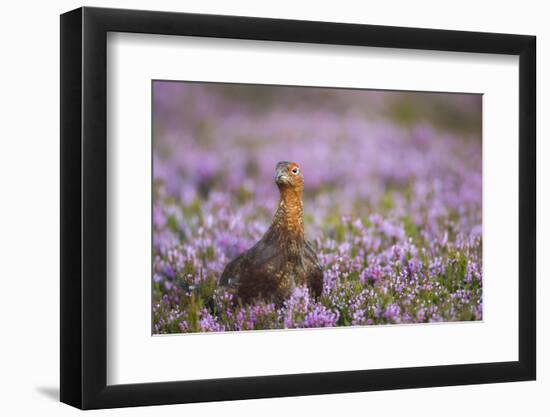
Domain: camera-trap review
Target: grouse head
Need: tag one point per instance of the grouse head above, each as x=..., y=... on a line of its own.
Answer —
x=288, y=176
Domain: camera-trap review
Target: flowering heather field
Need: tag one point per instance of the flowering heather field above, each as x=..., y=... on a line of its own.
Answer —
x=392, y=203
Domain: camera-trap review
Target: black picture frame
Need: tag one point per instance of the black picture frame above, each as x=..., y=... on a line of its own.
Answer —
x=84, y=207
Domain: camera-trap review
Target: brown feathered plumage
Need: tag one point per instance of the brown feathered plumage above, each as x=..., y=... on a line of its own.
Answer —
x=283, y=258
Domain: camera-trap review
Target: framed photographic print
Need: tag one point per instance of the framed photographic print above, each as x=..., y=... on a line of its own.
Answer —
x=257, y=207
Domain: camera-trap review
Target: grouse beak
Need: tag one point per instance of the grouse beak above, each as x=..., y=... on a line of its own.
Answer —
x=280, y=177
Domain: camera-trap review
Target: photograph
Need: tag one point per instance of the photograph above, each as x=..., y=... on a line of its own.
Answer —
x=292, y=207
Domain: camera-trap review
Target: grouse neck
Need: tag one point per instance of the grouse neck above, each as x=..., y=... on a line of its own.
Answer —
x=290, y=213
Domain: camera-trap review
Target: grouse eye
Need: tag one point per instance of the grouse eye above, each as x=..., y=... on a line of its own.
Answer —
x=295, y=170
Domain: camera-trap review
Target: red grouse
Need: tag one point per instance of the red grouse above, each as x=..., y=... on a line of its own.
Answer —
x=283, y=258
